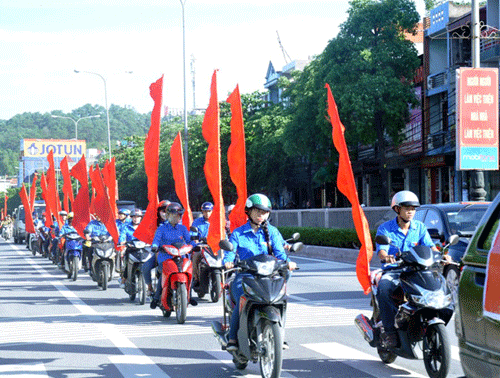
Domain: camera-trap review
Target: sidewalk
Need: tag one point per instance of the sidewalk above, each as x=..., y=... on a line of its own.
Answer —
x=345, y=255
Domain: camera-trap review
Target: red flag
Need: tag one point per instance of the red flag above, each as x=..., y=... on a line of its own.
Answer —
x=81, y=204
x=33, y=192
x=212, y=168
x=67, y=188
x=346, y=184
x=45, y=195
x=28, y=218
x=103, y=205
x=92, y=191
x=5, y=206
x=55, y=203
x=180, y=179
x=236, y=159
x=109, y=177
x=146, y=229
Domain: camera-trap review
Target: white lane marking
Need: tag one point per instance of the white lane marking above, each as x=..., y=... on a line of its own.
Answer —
x=135, y=363
x=252, y=370
x=455, y=353
x=37, y=370
x=361, y=361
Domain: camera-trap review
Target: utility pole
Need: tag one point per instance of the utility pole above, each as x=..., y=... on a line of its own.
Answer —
x=477, y=192
x=193, y=80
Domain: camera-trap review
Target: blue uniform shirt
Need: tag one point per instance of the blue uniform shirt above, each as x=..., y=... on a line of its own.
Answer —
x=96, y=228
x=127, y=233
x=167, y=234
x=417, y=235
x=67, y=229
x=248, y=243
x=202, y=225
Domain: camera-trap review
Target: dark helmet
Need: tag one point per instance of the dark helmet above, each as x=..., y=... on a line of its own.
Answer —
x=163, y=204
x=405, y=198
x=137, y=213
x=260, y=201
x=207, y=206
x=124, y=212
x=175, y=208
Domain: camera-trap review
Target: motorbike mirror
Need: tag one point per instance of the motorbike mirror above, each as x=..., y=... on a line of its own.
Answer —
x=297, y=247
x=382, y=239
x=454, y=239
x=296, y=236
x=226, y=245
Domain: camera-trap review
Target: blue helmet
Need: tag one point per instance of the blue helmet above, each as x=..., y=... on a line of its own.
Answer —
x=207, y=206
x=124, y=211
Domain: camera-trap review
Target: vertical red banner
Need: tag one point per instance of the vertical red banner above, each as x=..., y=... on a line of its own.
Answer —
x=81, y=204
x=67, y=188
x=30, y=228
x=179, y=173
x=33, y=192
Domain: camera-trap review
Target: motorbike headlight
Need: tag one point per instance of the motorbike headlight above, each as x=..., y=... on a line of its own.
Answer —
x=265, y=268
x=212, y=261
x=248, y=290
x=433, y=299
x=108, y=252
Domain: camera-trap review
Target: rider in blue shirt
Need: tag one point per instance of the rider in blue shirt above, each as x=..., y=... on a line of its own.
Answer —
x=94, y=228
x=404, y=232
x=202, y=224
x=127, y=235
x=123, y=219
x=168, y=233
x=254, y=238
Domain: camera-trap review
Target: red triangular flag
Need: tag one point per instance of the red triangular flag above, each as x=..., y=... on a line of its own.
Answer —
x=28, y=218
x=81, y=204
x=179, y=175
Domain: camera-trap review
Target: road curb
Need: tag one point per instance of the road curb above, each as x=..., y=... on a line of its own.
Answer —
x=345, y=255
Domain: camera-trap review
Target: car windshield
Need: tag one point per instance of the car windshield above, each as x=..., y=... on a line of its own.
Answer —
x=463, y=222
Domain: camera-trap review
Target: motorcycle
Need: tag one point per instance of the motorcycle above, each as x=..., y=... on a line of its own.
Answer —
x=424, y=304
x=136, y=254
x=7, y=231
x=102, y=260
x=176, y=281
x=209, y=269
x=262, y=312
x=72, y=254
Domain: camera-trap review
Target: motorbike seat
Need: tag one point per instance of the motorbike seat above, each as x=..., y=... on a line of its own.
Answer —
x=375, y=276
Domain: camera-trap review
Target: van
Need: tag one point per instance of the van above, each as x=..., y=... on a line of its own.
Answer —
x=19, y=228
x=478, y=335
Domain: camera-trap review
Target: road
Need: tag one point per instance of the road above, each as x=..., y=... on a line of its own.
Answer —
x=54, y=327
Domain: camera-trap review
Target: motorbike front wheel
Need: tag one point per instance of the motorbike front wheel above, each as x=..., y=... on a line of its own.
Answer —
x=141, y=287
x=104, y=276
x=76, y=262
x=437, y=353
x=216, y=288
x=181, y=303
x=271, y=359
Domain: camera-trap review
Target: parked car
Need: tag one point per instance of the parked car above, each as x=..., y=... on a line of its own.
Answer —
x=478, y=335
x=446, y=219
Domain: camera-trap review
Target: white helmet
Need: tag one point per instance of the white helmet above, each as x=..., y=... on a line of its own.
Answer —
x=405, y=198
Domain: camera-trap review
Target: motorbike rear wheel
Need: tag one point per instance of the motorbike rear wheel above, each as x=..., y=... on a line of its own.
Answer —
x=216, y=289
x=181, y=303
x=271, y=359
x=239, y=365
x=437, y=352
x=76, y=262
x=386, y=356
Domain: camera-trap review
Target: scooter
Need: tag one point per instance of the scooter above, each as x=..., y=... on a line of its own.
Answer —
x=425, y=306
x=209, y=269
x=262, y=312
x=103, y=260
x=176, y=278
x=136, y=254
x=73, y=254
x=7, y=231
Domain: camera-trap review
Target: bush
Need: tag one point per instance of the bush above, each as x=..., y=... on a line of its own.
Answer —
x=327, y=237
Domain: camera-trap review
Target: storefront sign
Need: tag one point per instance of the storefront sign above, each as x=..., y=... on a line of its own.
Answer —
x=477, y=118
x=42, y=147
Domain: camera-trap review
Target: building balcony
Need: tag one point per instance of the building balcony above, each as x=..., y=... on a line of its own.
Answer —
x=437, y=83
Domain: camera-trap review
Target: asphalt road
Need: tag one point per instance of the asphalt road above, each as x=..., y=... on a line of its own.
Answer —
x=54, y=327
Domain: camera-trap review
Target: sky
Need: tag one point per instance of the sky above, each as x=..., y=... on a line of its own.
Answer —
x=133, y=43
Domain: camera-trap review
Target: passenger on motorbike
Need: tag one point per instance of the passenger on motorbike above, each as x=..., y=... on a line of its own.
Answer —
x=202, y=224
x=43, y=235
x=256, y=237
x=161, y=216
x=94, y=228
x=68, y=228
x=404, y=232
x=127, y=234
x=168, y=233
x=123, y=219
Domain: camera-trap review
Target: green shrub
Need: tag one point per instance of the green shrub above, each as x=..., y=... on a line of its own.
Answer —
x=327, y=237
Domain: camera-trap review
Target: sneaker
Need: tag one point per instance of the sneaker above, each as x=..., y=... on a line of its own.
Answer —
x=154, y=303
x=232, y=346
x=193, y=302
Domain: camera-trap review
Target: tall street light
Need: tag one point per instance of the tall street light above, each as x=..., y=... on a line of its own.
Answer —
x=183, y=2
x=107, y=111
x=76, y=122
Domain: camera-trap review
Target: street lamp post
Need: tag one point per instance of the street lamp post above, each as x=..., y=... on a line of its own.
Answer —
x=107, y=111
x=183, y=2
x=76, y=122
